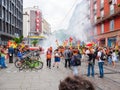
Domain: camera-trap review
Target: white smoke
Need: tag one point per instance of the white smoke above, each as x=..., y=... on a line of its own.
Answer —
x=79, y=26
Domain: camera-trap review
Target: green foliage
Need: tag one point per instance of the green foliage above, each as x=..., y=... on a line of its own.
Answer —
x=18, y=40
x=34, y=42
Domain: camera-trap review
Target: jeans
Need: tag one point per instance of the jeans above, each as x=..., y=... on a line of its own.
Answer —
x=2, y=59
x=75, y=70
x=67, y=61
x=49, y=63
x=10, y=58
x=90, y=68
x=109, y=60
x=101, y=70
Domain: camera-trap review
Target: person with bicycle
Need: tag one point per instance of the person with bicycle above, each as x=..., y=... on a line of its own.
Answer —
x=20, y=56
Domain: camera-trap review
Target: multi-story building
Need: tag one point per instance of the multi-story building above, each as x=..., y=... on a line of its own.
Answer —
x=32, y=20
x=11, y=19
x=105, y=17
x=34, y=26
x=46, y=29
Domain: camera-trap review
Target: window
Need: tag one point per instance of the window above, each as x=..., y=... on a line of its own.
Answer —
x=95, y=31
x=111, y=25
x=102, y=13
x=95, y=6
x=102, y=28
x=0, y=25
x=0, y=11
x=101, y=1
x=111, y=9
x=101, y=4
x=95, y=17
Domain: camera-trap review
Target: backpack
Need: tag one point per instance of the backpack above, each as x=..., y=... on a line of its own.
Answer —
x=103, y=56
x=77, y=61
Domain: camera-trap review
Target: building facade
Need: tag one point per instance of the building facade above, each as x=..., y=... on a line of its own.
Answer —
x=46, y=28
x=32, y=20
x=105, y=17
x=11, y=19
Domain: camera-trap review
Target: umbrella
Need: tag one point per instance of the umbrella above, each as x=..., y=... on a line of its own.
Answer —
x=89, y=44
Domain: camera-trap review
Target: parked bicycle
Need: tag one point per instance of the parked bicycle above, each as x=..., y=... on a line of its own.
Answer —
x=31, y=60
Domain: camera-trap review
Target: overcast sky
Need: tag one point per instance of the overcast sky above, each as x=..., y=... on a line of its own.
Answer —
x=54, y=11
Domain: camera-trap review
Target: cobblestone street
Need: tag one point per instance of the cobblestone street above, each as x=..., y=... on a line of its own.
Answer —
x=49, y=79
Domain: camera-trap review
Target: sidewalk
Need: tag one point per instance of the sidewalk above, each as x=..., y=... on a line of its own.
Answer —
x=49, y=79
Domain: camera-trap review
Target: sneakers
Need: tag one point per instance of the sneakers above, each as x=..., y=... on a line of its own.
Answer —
x=100, y=76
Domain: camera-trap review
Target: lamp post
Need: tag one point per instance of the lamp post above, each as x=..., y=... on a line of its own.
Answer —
x=27, y=26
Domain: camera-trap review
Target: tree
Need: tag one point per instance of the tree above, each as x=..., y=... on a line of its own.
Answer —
x=34, y=42
x=18, y=40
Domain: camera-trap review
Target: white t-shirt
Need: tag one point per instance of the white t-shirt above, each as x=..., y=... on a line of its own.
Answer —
x=99, y=55
x=87, y=52
x=114, y=57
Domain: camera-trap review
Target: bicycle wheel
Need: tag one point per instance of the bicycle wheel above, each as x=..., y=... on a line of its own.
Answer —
x=17, y=63
x=23, y=66
x=38, y=65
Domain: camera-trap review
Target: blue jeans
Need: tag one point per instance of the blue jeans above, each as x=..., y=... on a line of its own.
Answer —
x=101, y=70
x=3, y=65
x=109, y=60
x=90, y=68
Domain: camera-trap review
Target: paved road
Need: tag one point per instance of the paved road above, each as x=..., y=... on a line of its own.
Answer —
x=48, y=79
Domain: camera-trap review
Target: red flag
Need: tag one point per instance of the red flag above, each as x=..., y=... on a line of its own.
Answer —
x=70, y=39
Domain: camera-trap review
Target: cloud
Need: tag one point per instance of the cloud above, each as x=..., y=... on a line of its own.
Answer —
x=54, y=11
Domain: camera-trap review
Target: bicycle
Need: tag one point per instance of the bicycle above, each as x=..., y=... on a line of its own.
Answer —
x=32, y=64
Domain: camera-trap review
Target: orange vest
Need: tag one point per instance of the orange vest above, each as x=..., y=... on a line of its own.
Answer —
x=49, y=55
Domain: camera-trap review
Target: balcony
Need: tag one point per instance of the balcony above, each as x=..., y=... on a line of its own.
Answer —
x=108, y=16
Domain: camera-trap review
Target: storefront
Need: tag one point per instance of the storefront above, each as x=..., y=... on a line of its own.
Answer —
x=111, y=41
x=102, y=42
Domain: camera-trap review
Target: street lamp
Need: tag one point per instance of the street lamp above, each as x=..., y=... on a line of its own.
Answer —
x=27, y=21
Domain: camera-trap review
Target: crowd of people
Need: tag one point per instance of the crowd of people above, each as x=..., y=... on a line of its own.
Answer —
x=10, y=53
x=72, y=57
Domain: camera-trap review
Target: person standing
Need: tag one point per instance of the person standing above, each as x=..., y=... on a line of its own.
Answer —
x=114, y=58
x=100, y=62
x=67, y=55
x=10, y=52
x=48, y=58
x=2, y=58
x=119, y=54
x=91, y=63
x=56, y=58
x=75, y=62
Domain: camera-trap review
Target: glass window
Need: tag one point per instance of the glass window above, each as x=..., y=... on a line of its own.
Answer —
x=95, y=31
x=111, y=25
x=95, y=6
x=111, y=9
x=102, y=13
x=95, y=17
x=102, y=28
x=102, y=1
